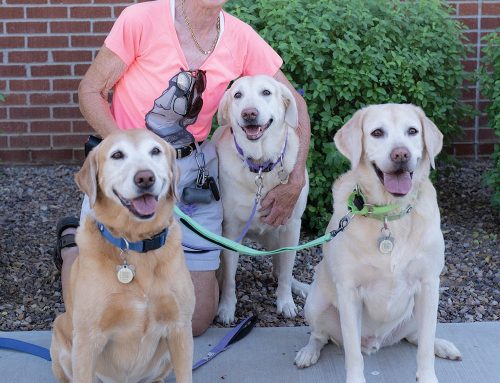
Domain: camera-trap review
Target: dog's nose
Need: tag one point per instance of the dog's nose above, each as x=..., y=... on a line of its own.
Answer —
x=144, y=179
x=400, y=155
x=249, y=114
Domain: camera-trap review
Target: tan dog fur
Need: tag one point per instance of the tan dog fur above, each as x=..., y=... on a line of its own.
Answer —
x=364, y=299
x=126, y=332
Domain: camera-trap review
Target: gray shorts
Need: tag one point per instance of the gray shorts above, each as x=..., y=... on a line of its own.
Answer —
x=208, y=215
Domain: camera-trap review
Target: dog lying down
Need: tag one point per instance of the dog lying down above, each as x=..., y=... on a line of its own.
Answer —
x=128, y=313
x=262, y=114
x=378, y=282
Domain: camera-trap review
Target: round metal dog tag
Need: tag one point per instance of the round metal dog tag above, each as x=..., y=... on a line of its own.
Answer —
x=125, y=274
x=386, y=245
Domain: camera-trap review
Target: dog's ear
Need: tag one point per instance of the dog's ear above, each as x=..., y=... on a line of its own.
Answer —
x=86, y=177
x=223, y=110
x=433, y=138
x=349, y=138
x=291, y=112
x=174, y=170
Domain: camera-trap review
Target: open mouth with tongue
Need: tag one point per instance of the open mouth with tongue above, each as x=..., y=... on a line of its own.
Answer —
x=254, y=132
x=142, y=207
x=397, y=183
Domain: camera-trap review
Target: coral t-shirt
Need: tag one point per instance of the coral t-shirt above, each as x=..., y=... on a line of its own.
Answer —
x=144, y=37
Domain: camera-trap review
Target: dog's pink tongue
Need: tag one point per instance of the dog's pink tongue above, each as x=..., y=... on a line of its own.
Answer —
x=397, y=183
x=145, y=205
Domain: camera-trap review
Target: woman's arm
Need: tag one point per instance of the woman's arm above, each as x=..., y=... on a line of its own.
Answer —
x=94, y=89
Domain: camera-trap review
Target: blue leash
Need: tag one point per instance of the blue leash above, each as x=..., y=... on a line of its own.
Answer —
x=236, y=334
x=28, y=348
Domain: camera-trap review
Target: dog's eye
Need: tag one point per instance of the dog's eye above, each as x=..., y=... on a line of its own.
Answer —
x=412, y=131
x=237, y=95
x=118, y=155
x=266, y=92
x=155, y=151
x=377, y=133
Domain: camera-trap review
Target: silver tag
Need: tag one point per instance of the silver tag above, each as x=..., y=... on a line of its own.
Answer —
x=386, y=244
x=125, y=273
x=283, y=176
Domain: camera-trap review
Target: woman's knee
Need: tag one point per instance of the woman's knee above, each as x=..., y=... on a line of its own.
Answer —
x=206, y=291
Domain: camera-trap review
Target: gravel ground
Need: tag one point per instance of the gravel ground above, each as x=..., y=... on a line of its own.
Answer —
x=34, y=198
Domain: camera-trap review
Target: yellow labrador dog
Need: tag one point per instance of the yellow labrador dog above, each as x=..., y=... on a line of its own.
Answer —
x=378, y=282
x=131, y=299
x=259, y=149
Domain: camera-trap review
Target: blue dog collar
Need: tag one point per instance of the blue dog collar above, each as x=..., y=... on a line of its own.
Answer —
x=140, y=246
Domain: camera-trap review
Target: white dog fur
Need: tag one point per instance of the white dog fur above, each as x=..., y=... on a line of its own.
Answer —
x=270, y=102
x=364, y=299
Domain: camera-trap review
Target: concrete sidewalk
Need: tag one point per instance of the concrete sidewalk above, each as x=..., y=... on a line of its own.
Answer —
x=266, y=355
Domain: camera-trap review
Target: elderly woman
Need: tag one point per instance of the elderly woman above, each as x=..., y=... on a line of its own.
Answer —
x=169, y=63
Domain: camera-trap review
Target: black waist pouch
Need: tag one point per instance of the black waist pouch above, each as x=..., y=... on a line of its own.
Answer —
x=91, y=143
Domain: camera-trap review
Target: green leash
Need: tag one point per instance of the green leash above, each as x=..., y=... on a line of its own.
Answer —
x=235, y=246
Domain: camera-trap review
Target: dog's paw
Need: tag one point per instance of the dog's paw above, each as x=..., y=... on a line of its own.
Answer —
x=287, y=308
x=307, y=356
x=446, y=350
x=225, y=313
x=300, y=289
x=427, y=377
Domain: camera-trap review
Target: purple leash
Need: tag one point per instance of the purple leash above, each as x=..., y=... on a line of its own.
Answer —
x=236, y=334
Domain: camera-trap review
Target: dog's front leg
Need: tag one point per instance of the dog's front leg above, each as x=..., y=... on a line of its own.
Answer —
x=180, y=343
x=350, y=311
x=87, y=345
x=426, y=305
x=227, y=303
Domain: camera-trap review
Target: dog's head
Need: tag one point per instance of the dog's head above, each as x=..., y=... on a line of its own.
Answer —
x=396, y=142
x=130, y=178
x=256, y=105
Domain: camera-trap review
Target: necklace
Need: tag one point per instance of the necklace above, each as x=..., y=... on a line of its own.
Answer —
x=214, y=43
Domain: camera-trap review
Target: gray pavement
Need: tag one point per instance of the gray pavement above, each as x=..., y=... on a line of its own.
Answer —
x=266, y=355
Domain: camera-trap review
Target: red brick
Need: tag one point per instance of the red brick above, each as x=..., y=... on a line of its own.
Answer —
x=490, y=23
x=50, y=70
x=72, y=56
x=102, y=26
x=26, y=27
x=27, y=1
x=71, y=85
x=28, y=113
x=78, y=155
x=67, y=112
x=15, y=99
x=90, y=12
x=469, y=65
x=69, y=26
x=463, y=149
x=51, y=126
x=492, y=8
x=467, y=136
x=11, y=42
x=65, y=2
x=3, y=113
x=486, y=149
x=470, y=37
x=28, y=85
x=28, y=57
x=487, y=135
x=30, y=141
x=68, y=141
x=13, y=127
x=81, y=69
x=467, y=9
x=52, y=156
x=469, y=22
x=118, y=10
x=109, y=1
x=49, y=98
x=48, y=42
x=45, y=13
x=11, y=12
x=468, y=94
x=82, y=126
x=14, y=156
x=12, y=71
x=4, y=142
x=87, y=41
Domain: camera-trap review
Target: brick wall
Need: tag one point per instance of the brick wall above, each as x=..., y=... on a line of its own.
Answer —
x=47, y=46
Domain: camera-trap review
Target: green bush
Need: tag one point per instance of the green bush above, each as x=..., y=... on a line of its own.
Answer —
x=490, y=80
x=348, y=54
